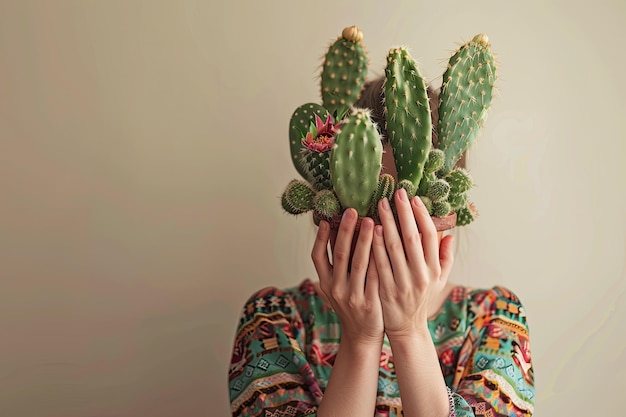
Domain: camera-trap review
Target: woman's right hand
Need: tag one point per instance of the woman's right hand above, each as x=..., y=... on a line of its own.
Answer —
x=353, y=295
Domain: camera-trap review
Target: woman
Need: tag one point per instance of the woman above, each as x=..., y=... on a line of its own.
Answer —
x=382, y=332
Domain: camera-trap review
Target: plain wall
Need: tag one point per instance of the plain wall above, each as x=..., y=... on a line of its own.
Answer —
x=143, y=151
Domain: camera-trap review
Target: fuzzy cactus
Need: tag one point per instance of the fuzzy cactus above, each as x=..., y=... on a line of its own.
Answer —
x=298, y=197
x=356, y=161
x=436, y=160
x=466, y=214
x=408, y=117
x=438, y=190
x=441, y=208
x=465, y=97
x=344, y=71
x=385, y=189
x=460, y=181
x=326, y=204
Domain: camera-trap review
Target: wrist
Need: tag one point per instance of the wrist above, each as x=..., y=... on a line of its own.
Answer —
x=414, y=334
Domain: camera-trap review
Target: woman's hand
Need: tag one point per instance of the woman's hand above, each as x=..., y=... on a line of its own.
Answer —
x=412, y=269
x=354, y=298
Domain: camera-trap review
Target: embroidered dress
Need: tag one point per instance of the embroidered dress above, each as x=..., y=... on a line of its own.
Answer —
x=287, y=340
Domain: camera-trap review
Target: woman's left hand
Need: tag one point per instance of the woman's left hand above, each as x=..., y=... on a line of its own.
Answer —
x=412, y=269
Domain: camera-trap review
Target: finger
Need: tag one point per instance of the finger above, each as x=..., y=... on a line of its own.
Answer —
x=411, y=238
x=361, y=256
x=319, y=255
x=446, y=256
x=426, y=226
x=384, y=271
x=343, y=244
x=392, y=240
x=372, y=280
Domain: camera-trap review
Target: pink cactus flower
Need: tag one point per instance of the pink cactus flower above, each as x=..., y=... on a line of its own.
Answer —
x=321, y=136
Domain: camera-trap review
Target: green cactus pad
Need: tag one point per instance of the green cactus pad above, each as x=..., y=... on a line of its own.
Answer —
x=299, y=124
x=356, y=161
x=344, y=71
x=298, y=197
x=408, y=117
x=465, y=97
x=326, y=204
x=385, y=189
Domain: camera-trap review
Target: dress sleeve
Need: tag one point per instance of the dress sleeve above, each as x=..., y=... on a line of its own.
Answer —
x=495, y=376
x=269, y=374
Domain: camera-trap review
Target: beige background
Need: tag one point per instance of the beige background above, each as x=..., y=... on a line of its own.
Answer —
x=143, y=149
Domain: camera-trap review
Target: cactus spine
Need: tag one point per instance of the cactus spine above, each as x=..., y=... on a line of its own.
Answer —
x=356, y=161
x=344, y=71
x=465, y=97
x=408, y=117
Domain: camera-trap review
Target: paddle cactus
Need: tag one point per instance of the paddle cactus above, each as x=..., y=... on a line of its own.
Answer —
x=344, y=71
x=356, y=161
x=337, y=148
x=465, y=97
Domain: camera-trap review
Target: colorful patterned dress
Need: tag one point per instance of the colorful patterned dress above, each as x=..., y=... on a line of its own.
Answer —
x=287, y=340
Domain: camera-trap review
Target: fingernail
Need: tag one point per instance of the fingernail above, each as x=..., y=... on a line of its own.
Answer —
x=323, y=226
x=386, y=204
x=417, y=201
x=346, y=214
x=366, y=224
x=402, y=194
x=379, y=230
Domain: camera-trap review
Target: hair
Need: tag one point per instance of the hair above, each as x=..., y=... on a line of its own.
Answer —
x=373, y=97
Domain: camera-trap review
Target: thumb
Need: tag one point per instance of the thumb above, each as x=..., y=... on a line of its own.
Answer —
x=446, y=255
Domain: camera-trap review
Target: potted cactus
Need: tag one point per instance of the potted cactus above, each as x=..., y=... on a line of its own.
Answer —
x=337, y=148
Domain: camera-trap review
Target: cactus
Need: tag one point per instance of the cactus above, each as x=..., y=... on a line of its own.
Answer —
x=408, y=117
x=466, y=215
x=428, y=203
x=460, y=181
x=438, y=190
x=326, y=204
x=457, y=201
x=298, y=197
x=341, y=162
x=385, y=189
x=441, y=208
x=299, y=125
x=409, y=187
x=356, y=161
x=344, y=71
x=435, y=161
x=465, y=97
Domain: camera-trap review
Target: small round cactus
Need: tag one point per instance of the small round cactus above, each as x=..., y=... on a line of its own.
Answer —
x=298, y=197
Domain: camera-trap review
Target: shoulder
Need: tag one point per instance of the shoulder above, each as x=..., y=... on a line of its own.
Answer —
x=496, y=302
x=273, y=300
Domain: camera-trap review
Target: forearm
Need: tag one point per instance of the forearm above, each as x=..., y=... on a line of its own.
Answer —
x=353, y=383
x=422, y=387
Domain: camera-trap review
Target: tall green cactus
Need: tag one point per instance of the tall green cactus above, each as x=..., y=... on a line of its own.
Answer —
x=344, y=71
x=356, y=161
x=465, y=98
x=408, y=117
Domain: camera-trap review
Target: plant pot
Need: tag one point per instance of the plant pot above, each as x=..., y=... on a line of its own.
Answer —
x=441, y=223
